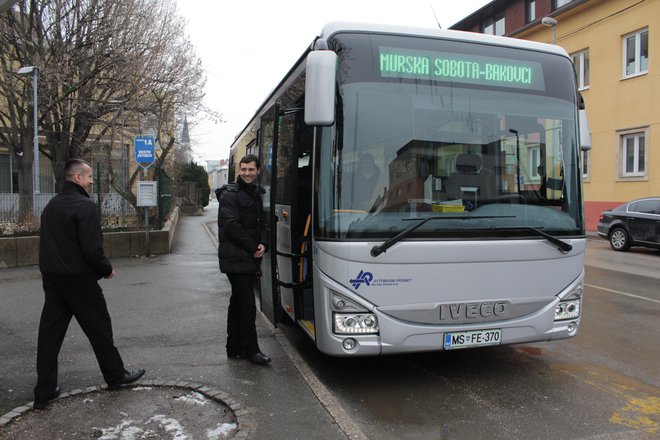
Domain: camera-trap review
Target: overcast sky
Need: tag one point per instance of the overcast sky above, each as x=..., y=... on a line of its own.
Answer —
x=247, y=46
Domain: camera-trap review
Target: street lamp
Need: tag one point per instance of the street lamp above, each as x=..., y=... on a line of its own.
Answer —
x=34, y=71
x=551, y=22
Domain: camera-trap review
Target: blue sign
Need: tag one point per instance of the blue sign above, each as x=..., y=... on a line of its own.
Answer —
x=144, y=149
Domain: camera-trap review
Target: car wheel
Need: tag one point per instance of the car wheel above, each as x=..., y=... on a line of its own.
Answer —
x=619, y=239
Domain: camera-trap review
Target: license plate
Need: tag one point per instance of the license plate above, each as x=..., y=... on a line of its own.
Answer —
x=472, y=338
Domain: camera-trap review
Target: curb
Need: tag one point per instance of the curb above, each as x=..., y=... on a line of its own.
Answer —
x=244, y=417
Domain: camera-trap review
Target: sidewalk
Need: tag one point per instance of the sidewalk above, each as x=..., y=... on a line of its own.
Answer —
x=169, y=316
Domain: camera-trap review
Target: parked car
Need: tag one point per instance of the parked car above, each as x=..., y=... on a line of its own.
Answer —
x=636, y=223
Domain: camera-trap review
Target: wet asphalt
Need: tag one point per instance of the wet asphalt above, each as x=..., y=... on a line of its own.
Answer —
x=169, y=317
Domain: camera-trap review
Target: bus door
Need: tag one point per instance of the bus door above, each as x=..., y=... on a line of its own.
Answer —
x=267, y=149
x=293, y=203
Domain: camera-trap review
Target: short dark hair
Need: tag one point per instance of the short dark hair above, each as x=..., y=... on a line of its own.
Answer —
x=250, y=158
x=73, y=166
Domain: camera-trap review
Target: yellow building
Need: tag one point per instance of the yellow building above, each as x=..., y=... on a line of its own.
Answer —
x=615, y=50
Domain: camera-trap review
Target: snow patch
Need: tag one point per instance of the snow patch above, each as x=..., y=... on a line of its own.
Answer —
x=194, y=398
x=123, y=431
x=170, y=425
x=220, y=431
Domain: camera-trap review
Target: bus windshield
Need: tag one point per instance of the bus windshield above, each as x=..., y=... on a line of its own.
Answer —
x=484, y=135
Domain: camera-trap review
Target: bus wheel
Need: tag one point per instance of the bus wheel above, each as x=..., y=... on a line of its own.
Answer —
x=619, y=239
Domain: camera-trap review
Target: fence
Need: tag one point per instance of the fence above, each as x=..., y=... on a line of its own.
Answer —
x=116, y=213
x=20, y=214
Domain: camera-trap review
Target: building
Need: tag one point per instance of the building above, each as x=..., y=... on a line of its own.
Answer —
x=184, y=153
x=218, y=172
x=617, y=69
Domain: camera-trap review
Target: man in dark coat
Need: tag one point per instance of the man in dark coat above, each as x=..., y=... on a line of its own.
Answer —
x=242, y=241
x=71, y=261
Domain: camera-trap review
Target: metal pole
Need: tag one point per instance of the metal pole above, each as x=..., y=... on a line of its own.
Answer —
x=146, y=220
x=124, y=165
x=36, y=180
x=518, y=177
x=519, y=183
x=98, y=188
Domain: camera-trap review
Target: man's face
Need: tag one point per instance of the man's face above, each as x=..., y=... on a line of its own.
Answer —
x=85, y=178
x=249, y=172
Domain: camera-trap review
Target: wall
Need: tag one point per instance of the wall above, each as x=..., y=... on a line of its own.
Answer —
x=613, y=103
x=24, y=251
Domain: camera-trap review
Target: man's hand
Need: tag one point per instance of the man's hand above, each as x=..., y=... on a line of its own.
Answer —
x=112, y=274
x=261, y=249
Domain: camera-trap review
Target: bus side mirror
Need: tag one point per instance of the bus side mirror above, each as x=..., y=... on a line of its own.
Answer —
x=320, y=80
x=585, y=134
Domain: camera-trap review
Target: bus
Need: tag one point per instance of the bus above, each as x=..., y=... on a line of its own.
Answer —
x=423, y=191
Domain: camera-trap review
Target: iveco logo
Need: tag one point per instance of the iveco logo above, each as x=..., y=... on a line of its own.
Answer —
x=476, y=311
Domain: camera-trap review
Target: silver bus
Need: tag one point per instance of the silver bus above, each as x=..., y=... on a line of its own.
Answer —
x=423, y=191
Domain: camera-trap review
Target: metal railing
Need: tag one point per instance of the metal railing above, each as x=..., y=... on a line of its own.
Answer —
x=20, y=213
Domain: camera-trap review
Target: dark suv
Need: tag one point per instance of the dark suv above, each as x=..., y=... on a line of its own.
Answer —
x=635, y=223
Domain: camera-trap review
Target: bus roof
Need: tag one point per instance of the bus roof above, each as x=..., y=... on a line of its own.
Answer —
x=335, y=27
x=339, y=26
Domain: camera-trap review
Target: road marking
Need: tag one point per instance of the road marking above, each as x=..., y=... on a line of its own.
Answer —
x=617, y=292
x=641, y=408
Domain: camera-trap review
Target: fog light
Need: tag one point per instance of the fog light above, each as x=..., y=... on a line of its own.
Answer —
x=571, y=327
x=363, y=323
x=567, y=310
x=348, y=343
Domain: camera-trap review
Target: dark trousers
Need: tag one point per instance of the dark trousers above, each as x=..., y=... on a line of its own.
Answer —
x=241, y=327
x=83, y=299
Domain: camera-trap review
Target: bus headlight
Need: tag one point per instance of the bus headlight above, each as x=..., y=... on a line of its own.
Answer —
x=352, y=323
x=567, y=310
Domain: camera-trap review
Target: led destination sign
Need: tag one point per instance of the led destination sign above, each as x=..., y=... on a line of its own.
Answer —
x=474, y=69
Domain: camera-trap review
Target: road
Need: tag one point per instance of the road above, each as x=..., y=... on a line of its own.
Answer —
x=602, y=384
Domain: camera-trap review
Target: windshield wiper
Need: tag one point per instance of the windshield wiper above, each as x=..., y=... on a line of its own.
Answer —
x=377, y=250
x=563, y=247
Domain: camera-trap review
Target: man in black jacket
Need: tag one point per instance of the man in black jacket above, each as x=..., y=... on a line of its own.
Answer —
x=71, y=261
x=242, y=241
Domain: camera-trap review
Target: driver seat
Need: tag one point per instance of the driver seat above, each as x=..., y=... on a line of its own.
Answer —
x=469, y=180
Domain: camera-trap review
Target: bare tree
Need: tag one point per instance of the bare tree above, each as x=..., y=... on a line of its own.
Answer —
x=92, y=54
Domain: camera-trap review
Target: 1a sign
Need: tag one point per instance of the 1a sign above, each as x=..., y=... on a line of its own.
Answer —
x=144, y=150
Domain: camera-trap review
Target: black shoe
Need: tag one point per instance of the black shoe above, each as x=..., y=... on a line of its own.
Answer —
x=259, y=358
x=42, y=404
x=232, y=355
x=128, y=378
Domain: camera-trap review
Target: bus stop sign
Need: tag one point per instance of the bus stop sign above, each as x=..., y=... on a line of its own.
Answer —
x=144, y=150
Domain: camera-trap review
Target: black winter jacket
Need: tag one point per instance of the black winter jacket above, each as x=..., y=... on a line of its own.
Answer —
x=71, y=241
x=240, y=228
